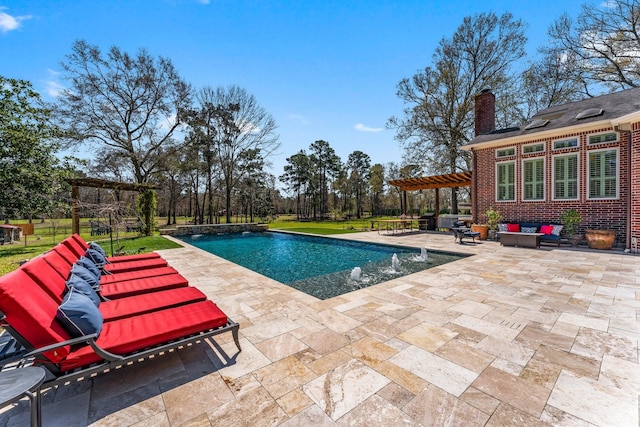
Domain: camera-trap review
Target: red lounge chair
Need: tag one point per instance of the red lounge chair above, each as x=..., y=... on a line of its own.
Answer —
x=126, y=299
x=62, y=266
x=120, y=267
x=52, y=279
x=78, y=245
x=29, y=314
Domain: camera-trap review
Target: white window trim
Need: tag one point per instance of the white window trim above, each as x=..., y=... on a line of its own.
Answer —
x=544, y=179
x=603, y=133
x=515, y=182
x=533, y=153
x=553, y=176
x=508, y=156
x=553, y=142
x=617, y=196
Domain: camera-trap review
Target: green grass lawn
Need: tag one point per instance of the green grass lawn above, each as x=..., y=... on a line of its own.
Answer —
x=11, y=255
x=46, y=236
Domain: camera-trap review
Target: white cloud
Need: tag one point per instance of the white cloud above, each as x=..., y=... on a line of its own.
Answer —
x=8, y=22
x=363, y=128
x=54, y=88
x=298, y=118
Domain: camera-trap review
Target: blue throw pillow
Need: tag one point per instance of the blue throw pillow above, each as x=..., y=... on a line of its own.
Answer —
x=75, y=281
x=78, y=315
x=98, y=259
x=89, y=265
x=86, y=275
x=97, y=247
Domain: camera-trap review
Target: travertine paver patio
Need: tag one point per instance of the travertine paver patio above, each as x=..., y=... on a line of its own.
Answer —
x=509, y=336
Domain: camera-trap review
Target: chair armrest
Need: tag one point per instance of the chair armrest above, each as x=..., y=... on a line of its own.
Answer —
x=86, y=339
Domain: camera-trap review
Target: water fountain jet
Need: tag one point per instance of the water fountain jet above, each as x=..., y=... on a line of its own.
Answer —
x=395, y=263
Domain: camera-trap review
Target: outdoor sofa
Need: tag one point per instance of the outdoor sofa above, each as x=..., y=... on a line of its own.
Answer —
x=56, y=323
x=550, y=231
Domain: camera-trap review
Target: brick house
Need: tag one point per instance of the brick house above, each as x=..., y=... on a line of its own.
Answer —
x=583, y=155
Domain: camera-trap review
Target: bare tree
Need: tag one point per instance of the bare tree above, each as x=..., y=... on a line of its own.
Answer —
x=238, y=123
x=129, y=104
x=549, y=81
x=439, y=114
x=603, y=43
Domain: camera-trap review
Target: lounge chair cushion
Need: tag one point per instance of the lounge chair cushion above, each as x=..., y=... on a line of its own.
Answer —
x=139, y=332
x=152, y=301
x=30, y=311
x=142, y=286
x=89, y=265
x=136, y=274
x=79, y=315
x=121, y=267
x=85, y=275
x=133, y=257
x=79, y=285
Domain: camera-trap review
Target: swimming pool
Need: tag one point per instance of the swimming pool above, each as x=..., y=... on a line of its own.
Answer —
x=319, y=266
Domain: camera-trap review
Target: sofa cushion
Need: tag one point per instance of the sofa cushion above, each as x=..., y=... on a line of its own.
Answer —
x=513, y=228
x=502, y=227
x=528, y=229
x=546, y=229
x=557, y=228
x=79, y=315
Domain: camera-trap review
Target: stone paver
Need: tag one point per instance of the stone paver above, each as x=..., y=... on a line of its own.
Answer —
x=508, y=336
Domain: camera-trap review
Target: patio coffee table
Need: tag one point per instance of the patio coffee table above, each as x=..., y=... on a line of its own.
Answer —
x=523, y=240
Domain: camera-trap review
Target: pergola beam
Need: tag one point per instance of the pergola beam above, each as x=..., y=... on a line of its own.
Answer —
x=462, y=179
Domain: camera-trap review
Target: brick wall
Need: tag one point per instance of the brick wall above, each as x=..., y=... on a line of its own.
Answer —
x=599, y=214
x=635, y=182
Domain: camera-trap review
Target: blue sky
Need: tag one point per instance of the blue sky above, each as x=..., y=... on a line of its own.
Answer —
x=324, y=69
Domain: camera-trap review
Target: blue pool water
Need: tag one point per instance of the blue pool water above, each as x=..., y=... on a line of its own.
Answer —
x=318, y=266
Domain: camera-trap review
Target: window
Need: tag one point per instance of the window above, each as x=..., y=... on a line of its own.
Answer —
x=506, y=152
x=533, y=179
x=565, y=177
x=506, y=181
x=533, y=148
x=565, y=143
x=603, y=174
x=601, y=138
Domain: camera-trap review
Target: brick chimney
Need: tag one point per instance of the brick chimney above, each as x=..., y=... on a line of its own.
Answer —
x=485, y=112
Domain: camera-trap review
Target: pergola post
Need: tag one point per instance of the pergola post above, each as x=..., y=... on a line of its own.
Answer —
x=75, y=209
x=437, y=205
x=404, y=204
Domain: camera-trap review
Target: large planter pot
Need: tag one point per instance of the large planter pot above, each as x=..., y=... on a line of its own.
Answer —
x=482, y=229
x=600, y=239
